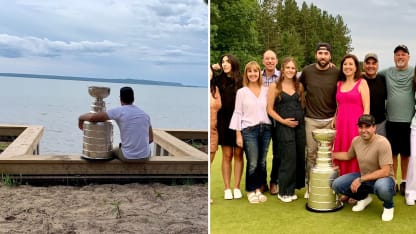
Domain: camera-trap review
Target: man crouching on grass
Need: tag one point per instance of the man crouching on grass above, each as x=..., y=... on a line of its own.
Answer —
x=376, y=175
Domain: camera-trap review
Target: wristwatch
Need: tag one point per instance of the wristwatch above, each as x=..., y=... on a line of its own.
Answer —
x=361, y=180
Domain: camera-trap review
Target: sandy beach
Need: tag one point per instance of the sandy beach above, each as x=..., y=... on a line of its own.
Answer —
x=108, y=208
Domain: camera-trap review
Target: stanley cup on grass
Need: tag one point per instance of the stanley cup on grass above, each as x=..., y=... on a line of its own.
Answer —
x=98, y=136
x=321, y=196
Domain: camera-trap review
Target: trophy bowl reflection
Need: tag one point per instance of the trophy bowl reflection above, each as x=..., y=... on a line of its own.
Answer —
x=98, y=136
x=321, y=196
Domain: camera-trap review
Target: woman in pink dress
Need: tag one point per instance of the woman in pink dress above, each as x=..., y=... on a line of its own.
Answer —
x=353, y=100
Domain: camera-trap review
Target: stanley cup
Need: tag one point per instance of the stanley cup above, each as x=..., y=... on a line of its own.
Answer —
x=98, y=136
x=321, y=196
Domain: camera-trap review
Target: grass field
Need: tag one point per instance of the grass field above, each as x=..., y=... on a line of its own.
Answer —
x=274, y=216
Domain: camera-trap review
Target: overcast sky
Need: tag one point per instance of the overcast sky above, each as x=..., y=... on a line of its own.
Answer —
x=376, y=25
x=165, y=40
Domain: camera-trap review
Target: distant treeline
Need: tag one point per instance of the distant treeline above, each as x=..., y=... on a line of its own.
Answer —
x=247, y=28
x=126, y=81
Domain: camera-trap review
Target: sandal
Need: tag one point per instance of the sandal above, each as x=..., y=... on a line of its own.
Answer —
x=252, y=198
x=352, y=201
x=261, y=197
x=343, y=198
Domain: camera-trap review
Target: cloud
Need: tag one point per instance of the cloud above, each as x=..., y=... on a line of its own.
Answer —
x=13, y=47
x=183, y=15
x=107, y=38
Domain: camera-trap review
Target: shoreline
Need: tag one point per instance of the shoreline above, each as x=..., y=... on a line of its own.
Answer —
x=107, y=80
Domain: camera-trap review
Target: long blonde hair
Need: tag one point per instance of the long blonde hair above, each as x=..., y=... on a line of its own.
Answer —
x=296, y=83
x=256, y=66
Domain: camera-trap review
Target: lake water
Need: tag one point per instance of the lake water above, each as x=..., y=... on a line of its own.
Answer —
x=56, y=105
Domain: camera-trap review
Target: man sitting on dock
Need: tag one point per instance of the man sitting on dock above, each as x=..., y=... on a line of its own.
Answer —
x=135, y=128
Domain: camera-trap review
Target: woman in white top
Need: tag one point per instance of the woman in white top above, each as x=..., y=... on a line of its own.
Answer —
x=253, y=127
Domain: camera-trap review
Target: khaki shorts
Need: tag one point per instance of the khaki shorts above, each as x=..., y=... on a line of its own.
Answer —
x=118, y=153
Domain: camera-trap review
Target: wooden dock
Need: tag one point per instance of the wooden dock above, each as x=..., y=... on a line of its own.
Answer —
x=172, y=158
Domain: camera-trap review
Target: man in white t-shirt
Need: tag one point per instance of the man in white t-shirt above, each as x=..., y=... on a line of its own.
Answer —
x=135, y=128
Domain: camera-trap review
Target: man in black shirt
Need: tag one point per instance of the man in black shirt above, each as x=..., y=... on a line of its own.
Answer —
x=378, y=91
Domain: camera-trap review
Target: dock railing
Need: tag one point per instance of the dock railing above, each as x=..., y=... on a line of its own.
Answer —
x=173, y=158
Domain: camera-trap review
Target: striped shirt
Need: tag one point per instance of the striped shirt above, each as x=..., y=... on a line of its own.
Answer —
x=268, y=80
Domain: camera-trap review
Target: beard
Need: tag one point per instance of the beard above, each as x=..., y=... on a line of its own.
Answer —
x=400, y=64
x=323, y=63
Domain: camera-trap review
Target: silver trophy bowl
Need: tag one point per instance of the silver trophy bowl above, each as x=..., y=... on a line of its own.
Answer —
x=99, y=92
x=323, y=135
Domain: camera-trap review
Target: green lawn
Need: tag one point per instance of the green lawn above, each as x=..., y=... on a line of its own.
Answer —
x=274, y=216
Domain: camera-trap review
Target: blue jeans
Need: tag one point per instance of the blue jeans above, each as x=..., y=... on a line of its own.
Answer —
x=382, y=187
x=256, y=140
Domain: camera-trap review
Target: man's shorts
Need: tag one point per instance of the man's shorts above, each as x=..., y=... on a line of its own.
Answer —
x=398, y=133
x=118, y=153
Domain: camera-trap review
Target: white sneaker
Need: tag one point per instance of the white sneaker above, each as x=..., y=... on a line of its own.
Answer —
x=284, y=198
x=362, y=204
x=293, y=197
x=237, y=194
x=387, y=214
x=228, y=195
x=410, y=201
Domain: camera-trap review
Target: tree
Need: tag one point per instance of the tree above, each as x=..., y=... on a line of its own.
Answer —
x=247, y=28
x=234, y=29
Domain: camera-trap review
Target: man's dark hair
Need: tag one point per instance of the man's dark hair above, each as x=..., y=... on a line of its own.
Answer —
x=127, y=95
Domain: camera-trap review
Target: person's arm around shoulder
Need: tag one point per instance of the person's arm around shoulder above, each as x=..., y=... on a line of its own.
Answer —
x=365, y=95
x=92, y=117
x=383, y=72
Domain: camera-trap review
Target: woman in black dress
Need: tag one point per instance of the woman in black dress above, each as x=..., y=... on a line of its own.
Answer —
x=229, y=81
x=285, y=104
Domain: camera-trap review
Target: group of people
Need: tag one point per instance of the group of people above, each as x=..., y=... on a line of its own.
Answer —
x=285, y=106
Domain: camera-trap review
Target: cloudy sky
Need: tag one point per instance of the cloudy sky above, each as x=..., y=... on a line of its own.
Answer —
x=164, y=40
x=376, y=25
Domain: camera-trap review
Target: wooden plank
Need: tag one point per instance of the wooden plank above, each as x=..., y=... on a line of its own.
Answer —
x=175, y=146
x=188, y=134
x=26, y=143
x=11, y=130
x=73, y=164
x=75, y=158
